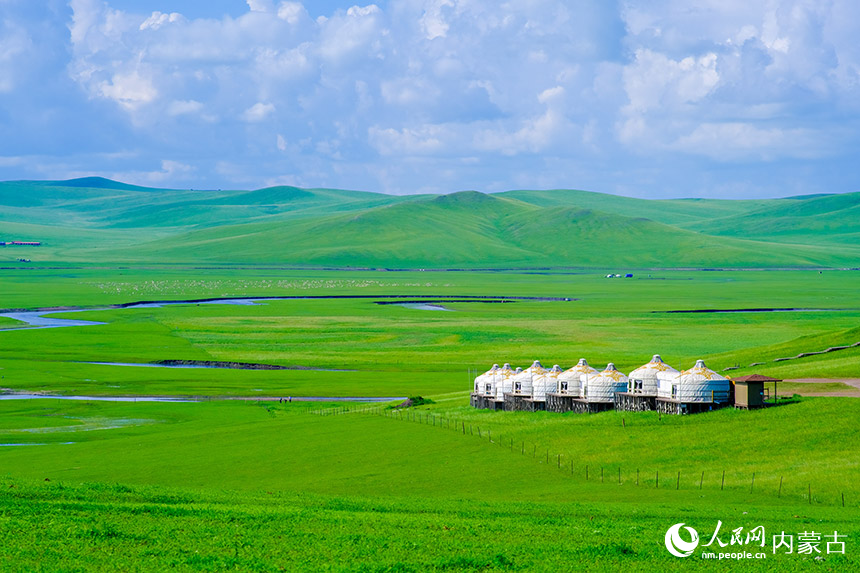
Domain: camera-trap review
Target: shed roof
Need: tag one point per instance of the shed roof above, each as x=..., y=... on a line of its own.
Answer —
x=755, y=378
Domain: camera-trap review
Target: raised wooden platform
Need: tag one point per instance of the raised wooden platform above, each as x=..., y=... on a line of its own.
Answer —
x=520, y=403
x=632, y=402
x=484, y=402
x=583, y=406
x=667, y=406
x=568, y=403
x=559, y=402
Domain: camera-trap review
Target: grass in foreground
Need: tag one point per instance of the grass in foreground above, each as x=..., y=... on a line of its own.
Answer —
x=215, y=486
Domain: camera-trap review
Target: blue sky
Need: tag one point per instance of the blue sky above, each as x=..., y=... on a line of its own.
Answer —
x=655, y=98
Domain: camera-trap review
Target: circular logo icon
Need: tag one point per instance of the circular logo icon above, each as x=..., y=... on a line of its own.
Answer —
x=679, y=547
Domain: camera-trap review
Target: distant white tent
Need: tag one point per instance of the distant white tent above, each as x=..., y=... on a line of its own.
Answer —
x=569, y=380
x=645, y=380
x=485, y=384
x=545, y=382
x=505, y=381
x=601, y=387
x=524, y=380
x=698, y=384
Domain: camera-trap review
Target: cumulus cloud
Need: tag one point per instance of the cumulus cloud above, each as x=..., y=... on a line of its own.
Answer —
x=258, y=112
x=396, y=96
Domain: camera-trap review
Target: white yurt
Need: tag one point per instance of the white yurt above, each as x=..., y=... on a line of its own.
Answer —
x=545, y=383
x=524, y=380
x=485, y=384
x=569, y=380
x=645, y=380
x=698, y=384
x=505, y=381
x=601, y=387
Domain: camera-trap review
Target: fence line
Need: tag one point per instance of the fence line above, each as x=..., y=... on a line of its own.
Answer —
x=459, y=426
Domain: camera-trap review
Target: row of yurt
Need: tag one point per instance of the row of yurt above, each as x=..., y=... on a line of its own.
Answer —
x=653, y=386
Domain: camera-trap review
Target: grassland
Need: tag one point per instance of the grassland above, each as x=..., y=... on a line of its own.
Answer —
x=389, y=350
x=241, y=485
x=213, y=486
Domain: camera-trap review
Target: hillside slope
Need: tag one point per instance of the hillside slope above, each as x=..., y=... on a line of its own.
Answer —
x=98, y=220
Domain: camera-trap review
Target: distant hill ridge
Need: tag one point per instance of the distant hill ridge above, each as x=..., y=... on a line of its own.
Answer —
x=100, y=220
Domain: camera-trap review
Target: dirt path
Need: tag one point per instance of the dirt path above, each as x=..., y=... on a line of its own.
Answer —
x=853, y=382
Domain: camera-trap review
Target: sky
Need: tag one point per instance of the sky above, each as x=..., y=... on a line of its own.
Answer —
x=650, y=98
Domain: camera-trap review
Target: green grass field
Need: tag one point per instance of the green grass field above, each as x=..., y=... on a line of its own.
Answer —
x=228, y=485
x=252, y=485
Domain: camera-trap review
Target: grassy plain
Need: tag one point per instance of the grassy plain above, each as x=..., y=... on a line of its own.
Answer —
x=230, y=485
x=388, y=350
x=227, y=484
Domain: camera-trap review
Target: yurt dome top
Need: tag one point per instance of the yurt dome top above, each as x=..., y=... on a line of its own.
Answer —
x=700, y=373
x=612, y=372
x=575, y=372
x=652, y=368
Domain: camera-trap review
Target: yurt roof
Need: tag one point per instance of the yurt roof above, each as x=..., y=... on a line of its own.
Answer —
x=654, y=366
x=582, y=367
x=702, y=372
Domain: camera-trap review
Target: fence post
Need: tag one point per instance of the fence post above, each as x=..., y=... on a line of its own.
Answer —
x=678, y=483
x=723, y=483
x=779, y=492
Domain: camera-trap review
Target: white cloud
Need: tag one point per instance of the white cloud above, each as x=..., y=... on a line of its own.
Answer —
x=292, y=12
x=159, y=19
x=258, y=112
x=353, y=35
x=260, y=5
x=735, y=141
x=382, y=96
x=433, y=21
x=130, y=90
x=421, y=140
x=184, y=107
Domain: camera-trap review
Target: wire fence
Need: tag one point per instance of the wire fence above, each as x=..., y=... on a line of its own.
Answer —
x=610, y=474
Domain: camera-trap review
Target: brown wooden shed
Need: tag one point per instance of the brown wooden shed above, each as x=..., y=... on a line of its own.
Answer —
x=749, y=390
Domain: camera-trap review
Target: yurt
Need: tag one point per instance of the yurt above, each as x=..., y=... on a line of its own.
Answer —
x=485, y=384
x=566, y=395
x=646, y=379
x=695, y=390
x=505, y=381
x=545, y=383
x=524, y=381
x=601, y=387
x=520, y=397
x=569, y=380
x=642, y=386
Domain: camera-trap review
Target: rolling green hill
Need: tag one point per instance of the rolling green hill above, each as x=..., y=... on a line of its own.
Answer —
x=98, y=220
